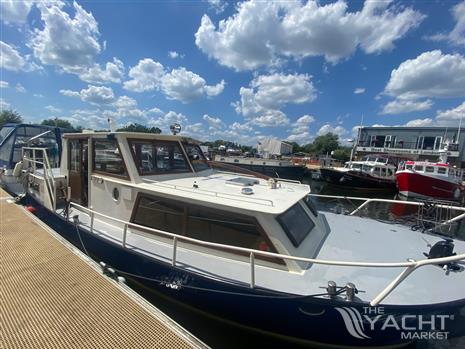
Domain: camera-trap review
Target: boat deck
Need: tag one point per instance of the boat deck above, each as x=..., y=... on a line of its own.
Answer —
x=54, y=298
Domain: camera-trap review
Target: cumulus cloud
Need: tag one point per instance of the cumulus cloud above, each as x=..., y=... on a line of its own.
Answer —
x=4, y=104
x=179, y=84
x=218, y=5
x=264, y=33
x=420, y=122
x=327, y=128
x=271, y=118
x=4, y=84
x=406, y=105
x=174, y=55
x=11, y=58
x=457, y=35
x=271, y=92
x=301, y=130
x=14, y=11
x=20, y=88
x=97, y=95
x=451, y=116
x=112, y=72
x=431, y=74
x=69, y=43
x=359, y=90
x=214, y=123
x=170, y=118
x=53, y=109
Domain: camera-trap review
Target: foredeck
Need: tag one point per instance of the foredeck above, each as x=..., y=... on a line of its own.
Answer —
x=52, y=298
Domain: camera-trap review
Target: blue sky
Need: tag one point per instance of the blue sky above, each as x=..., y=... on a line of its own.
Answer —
x=236, y=71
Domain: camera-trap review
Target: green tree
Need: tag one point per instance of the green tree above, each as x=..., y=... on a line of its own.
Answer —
x=57, y=123
x=342, y=154
x=10, y=117
x=324, y=144
x=135, y=127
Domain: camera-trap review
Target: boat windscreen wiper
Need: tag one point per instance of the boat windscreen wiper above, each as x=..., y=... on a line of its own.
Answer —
x=38, y=136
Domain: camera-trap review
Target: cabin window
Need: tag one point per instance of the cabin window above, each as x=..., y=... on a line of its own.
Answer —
x=442, y=170
x=408, y=167
x=107, y=158
x=158, y=157
x=311, y=206
x=429, y=169
x=6, y=149
x=196, y=157
x=4, y=132
x=159, y=214
x=418, y=168
x=296, y=223
x=383, y=172
x=74, y=156
x=390, y=173
x=201, y=223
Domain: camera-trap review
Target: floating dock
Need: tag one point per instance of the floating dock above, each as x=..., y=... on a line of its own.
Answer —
x=52, y=296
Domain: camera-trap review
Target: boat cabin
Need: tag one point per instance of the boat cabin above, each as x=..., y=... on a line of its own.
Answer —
x=435, y=169
x=379, y=167
x=164, y=182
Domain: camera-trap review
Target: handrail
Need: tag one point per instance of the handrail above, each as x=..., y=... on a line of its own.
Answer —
x=414, y=203
x=410, y=265
x=48, y=172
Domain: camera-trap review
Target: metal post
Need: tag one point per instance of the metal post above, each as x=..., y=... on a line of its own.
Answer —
x=175, y=244
x=252, y=270
x=91, y=221
x=125, y=232
x=34, y=159
x=394, y=283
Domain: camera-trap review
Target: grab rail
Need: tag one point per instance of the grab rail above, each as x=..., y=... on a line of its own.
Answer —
x=48, y=172
x=413, y=203
x=410, y=266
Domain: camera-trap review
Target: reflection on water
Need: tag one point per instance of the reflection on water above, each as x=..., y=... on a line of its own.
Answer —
x=218, y=334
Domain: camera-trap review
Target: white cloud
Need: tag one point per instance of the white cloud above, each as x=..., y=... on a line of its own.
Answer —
x=186, y=86
x=271, y=92
x=457, y=35
x=69, y=43
x=301, y=130
x=97, y=95
x=301, y=138
x=113, y=72
x=125, y=102
x=431, y=74
x=218, y=5
x=406, y=105
x=170, y=118
x=11, y=58
x=174, y=55
x=271, y=118
x=179, y=84
x=420, y=122
x=327, y=128
x=146, y=76
x=264, y=33
x=14, y=11
x=451, y=116
x=4, y=84
x=53, y=109
x=4, y=104
x=214, y=123
x=20, y=88
x=359, y=90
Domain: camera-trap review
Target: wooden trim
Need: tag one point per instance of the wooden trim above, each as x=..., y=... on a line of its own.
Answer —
x=125, y=177
x=156, y=141
x=262, y=232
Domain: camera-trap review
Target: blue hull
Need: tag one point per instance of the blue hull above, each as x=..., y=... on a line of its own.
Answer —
x=308, y=319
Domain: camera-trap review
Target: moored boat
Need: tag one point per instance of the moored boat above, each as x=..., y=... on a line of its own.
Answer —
x=251, y=251
x=422, y=179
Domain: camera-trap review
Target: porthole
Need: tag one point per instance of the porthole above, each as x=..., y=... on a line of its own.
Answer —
x=115, y=194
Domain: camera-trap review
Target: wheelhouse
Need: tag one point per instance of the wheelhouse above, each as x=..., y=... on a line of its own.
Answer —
x=157, y=181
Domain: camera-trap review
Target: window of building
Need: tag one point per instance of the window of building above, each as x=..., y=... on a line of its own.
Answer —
x=158, y=157
x=429, y=169
x=107, y=158
x=196, y=157
x=442, y=170
x=201, y=223
x=296, y=223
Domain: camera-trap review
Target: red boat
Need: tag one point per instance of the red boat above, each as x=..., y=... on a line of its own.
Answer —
x=424, y=179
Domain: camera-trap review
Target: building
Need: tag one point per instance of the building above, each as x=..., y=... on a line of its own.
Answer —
x=424, y=143
x=272, y=146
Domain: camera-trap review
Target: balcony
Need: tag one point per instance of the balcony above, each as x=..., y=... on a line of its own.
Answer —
x=407, y=148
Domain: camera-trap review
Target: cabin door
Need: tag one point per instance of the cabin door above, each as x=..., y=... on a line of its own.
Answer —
x=78, y=170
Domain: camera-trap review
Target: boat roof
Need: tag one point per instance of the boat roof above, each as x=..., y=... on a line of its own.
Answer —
x=426, y=163
x=137, y=135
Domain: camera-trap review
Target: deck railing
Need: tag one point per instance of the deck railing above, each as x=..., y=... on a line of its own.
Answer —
x=409, y=266
x=44, y=162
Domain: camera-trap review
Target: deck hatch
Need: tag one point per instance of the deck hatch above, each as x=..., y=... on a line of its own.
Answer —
x=242, y=181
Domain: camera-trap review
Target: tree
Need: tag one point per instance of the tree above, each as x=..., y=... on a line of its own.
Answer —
x=342, y=154
x=10, y=117
x=324, y=144
x=57, y=123
x=135, y=127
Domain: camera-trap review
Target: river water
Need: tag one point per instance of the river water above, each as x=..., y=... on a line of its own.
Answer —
x=218, y=334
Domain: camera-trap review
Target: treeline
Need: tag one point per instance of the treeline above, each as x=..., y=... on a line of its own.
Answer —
x=324, y=144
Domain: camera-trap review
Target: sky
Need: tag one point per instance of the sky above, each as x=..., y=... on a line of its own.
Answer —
x=238, y=71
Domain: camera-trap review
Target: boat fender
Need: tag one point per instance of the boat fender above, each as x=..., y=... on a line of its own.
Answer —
x=443, y=248
x=457, y=193
x=18, y=169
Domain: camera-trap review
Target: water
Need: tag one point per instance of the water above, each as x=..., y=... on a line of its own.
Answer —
x=218, y=334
